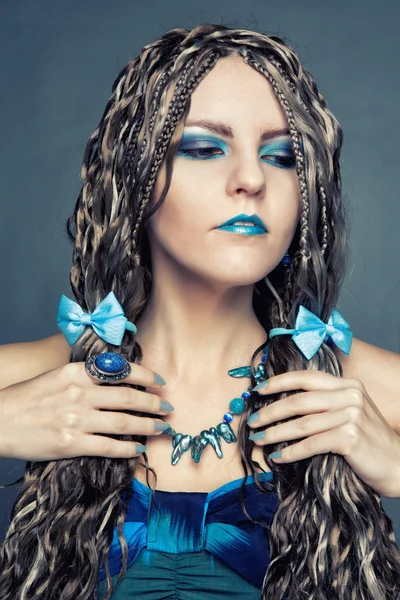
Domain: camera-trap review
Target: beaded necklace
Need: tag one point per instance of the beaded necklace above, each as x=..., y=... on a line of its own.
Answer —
x=182, y=442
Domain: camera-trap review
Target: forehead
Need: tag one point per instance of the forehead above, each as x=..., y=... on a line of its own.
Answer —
x=235, y=93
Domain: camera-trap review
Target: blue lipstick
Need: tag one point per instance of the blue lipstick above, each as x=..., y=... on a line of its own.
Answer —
x=245, y=225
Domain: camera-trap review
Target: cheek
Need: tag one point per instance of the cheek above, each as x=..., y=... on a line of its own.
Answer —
x=285, y=210
x=183, y=216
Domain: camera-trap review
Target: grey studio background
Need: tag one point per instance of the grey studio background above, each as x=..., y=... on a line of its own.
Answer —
x=58, y=62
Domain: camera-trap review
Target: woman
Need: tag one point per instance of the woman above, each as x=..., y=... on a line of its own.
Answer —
x=210, y=219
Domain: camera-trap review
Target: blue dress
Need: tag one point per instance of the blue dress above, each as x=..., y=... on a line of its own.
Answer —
x=193, y=545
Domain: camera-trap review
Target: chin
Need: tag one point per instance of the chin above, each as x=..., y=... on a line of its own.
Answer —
x=223, y=269
x=237, y=277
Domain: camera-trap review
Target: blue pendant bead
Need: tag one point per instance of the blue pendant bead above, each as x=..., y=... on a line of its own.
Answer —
x=240, y=372
x=237, y=406
x=228, y=416
x=260, y=369
x=109, y=363
x=259, y=373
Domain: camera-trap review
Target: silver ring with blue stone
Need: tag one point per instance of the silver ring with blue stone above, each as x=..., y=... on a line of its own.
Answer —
x=107, y=366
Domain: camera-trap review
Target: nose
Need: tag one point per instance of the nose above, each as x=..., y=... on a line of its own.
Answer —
x=247, y=177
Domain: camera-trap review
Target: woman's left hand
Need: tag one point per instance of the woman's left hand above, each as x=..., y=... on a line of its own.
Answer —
x=340, y=417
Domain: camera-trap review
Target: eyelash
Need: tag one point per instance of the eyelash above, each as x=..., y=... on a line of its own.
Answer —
x=198, y=153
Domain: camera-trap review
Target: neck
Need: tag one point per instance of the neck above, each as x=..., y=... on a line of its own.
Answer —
x=189, y=330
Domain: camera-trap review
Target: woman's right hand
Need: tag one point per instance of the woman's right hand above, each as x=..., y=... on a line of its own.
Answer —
x=56, y=414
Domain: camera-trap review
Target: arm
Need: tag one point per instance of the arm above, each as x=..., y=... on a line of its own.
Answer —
x=25, y=360
x=379, y=371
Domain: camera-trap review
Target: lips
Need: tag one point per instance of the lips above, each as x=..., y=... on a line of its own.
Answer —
x=245, y=220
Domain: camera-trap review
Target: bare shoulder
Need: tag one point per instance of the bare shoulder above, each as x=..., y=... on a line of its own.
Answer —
x=25, y=360
x=379, y=371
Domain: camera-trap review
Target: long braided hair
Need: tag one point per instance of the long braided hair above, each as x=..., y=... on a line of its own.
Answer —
x=330, y=537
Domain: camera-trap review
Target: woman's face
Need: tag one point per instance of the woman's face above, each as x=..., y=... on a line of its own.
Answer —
x=232, y=161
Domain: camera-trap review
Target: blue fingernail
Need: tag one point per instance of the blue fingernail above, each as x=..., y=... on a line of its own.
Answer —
x=165, y=406
x=257, y=436
x=260, y=386
x=276, y=454
x=253, y=417
x=161, y=425
x=140, y=448
x=158, y=379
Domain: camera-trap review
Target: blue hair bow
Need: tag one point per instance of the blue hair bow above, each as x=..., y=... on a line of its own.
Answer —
x=310, y=332
x=107, y=320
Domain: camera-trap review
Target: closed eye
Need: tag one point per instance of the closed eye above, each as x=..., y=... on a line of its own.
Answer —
x=282, y=161
x=211, y=152
x=204, y=153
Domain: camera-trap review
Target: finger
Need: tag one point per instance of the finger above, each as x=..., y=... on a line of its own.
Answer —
x=118, y=423
x=98, y=445
x=321, y=443
x=301, y=428
x=307, y=380
x=125, y=398
x=302, y=403
x=139, y=375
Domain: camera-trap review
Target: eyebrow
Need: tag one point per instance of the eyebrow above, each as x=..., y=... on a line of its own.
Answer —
x=222, y=129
